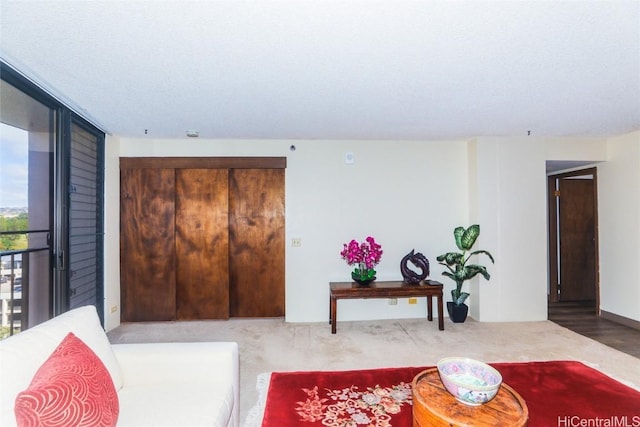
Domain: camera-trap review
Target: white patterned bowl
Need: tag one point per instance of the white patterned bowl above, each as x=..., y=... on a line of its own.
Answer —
x=470, y=381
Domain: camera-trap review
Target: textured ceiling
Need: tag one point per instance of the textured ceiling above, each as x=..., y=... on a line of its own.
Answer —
x=313, y=69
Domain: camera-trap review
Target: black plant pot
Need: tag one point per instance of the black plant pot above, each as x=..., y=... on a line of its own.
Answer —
x=457, y=313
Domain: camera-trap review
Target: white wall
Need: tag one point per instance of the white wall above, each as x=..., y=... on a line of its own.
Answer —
x=619, y=233
x=408, y=195
x=508, y=197
x=112, y=233
x=576, y=149
x=509, y=205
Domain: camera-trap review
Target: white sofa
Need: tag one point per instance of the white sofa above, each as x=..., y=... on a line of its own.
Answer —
x=158, y=384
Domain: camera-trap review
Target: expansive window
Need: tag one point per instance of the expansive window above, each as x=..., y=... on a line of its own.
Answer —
x=51, y=186
x=26, y=150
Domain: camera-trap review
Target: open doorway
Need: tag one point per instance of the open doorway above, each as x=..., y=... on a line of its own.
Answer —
x=573, y=240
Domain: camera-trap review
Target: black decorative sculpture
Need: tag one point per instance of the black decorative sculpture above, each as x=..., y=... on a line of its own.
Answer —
x=420, y=261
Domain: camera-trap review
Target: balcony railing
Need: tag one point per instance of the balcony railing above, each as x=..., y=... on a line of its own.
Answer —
x=14, y=289
x=11, y=293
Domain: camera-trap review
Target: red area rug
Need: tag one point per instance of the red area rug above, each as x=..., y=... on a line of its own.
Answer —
x=558, y=393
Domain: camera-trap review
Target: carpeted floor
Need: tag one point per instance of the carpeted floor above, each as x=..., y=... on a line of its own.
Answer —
x=268, y=345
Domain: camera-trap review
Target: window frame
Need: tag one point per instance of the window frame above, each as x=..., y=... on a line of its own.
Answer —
x=64, y=118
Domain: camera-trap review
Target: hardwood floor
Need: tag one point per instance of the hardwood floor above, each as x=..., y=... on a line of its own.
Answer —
x=581, y=318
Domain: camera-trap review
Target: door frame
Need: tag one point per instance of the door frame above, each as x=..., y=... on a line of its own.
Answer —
x=552, y=208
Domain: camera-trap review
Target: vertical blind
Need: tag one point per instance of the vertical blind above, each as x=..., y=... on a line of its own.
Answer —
x=85, y=261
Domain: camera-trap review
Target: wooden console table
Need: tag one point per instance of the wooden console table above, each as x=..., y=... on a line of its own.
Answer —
x=399, y=289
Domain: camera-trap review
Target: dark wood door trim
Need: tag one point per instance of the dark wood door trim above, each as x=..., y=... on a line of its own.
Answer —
x=553, y=230
x=203, y=162
x=552, y=206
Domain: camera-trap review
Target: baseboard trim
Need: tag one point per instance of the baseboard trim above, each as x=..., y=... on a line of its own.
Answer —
x=620, y=319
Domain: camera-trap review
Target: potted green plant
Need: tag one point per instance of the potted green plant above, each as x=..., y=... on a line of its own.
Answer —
x=459, y=271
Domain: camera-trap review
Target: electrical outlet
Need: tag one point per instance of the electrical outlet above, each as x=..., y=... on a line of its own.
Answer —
x=296, y=242
x=393, y=301
x=413, y=300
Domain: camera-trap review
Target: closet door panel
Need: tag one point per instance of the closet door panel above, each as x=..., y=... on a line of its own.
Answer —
x=202, y=244
x=147, y=249
x=256, y=246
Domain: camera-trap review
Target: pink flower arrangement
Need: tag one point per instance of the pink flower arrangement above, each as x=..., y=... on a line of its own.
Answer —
x=364, y=255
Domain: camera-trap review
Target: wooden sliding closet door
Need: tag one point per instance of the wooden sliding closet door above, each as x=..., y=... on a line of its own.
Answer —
x=147, y=249
x=201, y=238
x=256, y=229
x=202, y=244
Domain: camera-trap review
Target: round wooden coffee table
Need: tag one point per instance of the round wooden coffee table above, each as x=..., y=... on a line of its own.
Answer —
x=433, y=405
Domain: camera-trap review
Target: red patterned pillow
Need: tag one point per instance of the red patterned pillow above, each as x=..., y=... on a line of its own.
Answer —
x=71, y=388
